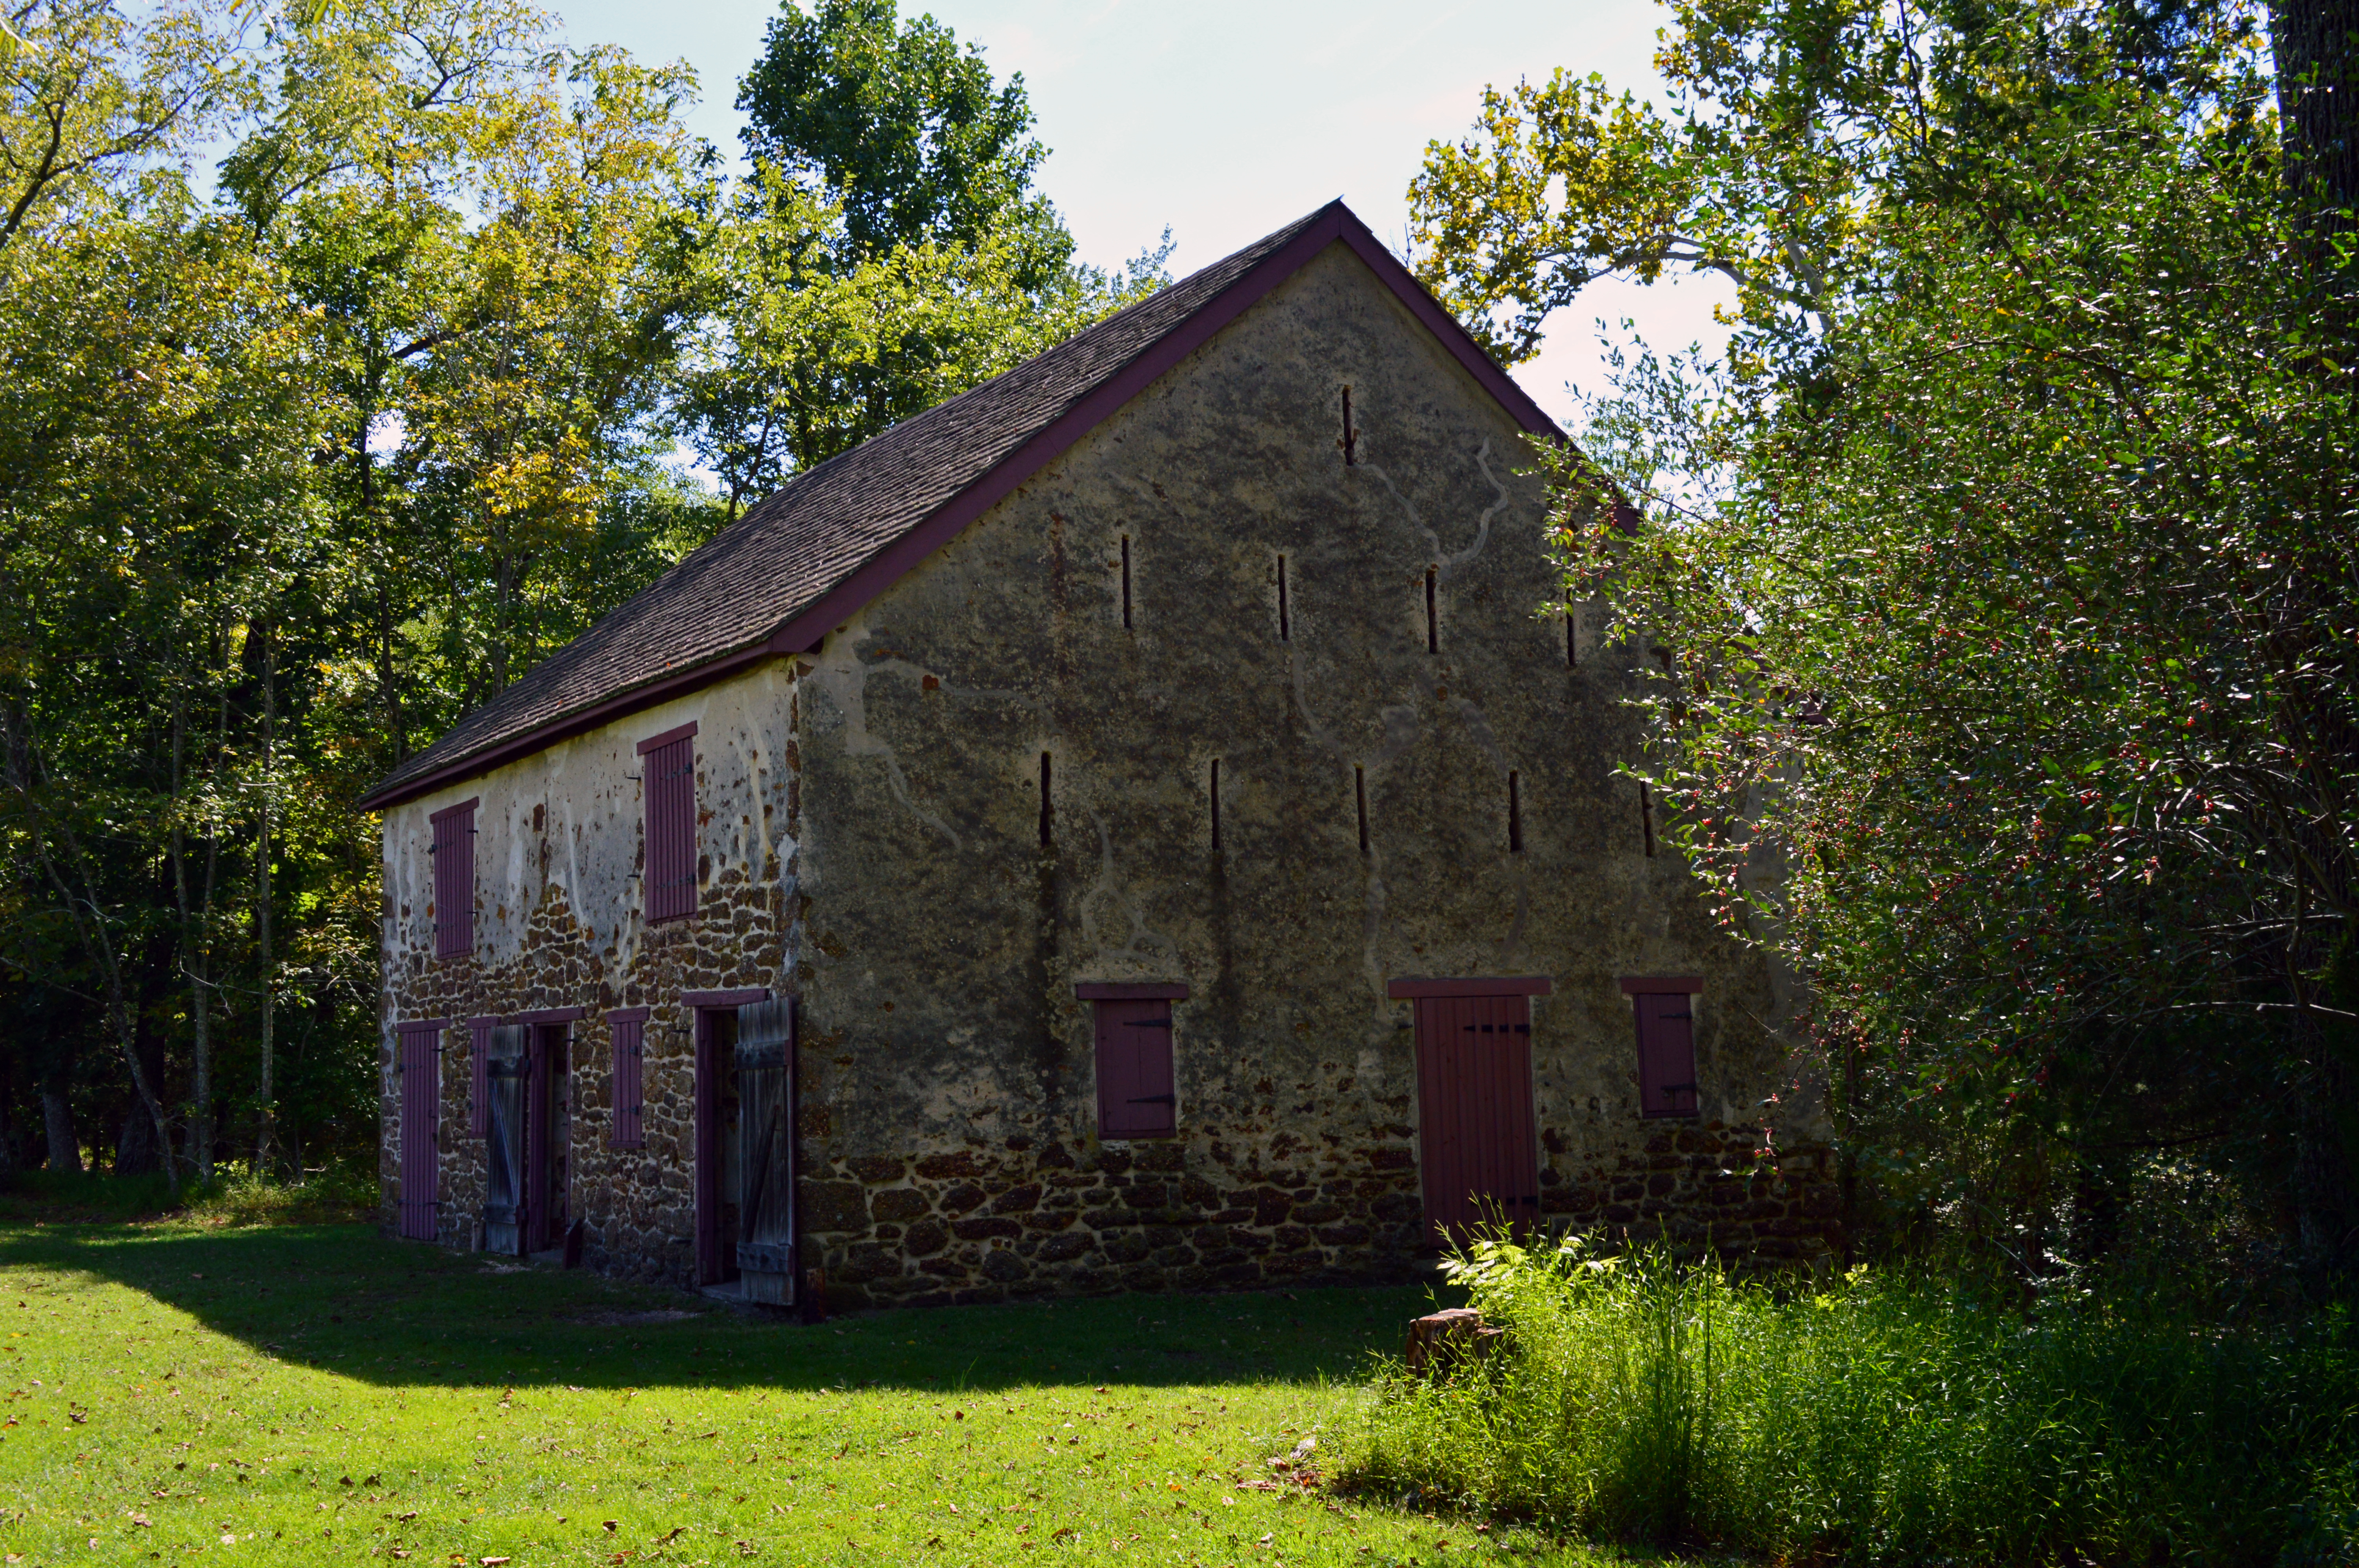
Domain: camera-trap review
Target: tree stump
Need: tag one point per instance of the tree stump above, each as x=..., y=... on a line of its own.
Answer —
x=1439, y=1341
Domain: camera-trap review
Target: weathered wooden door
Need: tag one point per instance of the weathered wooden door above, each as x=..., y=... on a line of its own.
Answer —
x=1477, y=1149
x=716, y=1145
x=421, y=1102
x=766, y=1145
x=506, y=1070
x=546, y=1138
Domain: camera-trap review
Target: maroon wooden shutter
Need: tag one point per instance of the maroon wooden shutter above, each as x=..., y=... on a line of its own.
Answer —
x=421, y=1093
x=1135, y=1098
x=1478, y=1155
x=454, y=879
x=629, y=1029
x=668, y=774
x=479, y=1049
x=1667, y=1075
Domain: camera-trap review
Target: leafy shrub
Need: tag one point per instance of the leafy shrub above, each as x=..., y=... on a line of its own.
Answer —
x=234, y=1197
x=1880, y=1418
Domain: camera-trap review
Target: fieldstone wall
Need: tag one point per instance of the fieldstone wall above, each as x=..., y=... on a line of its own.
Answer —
x=1204, y=578
x=559, y=847
x=1702, y=1185
x=977, y=1224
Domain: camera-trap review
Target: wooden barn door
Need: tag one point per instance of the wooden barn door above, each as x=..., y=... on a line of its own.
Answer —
x=766, y=1145
x=505, y=1069
x=1477, y=1147
x=716, y=1145
x=546, y=1138
x=421, y=1100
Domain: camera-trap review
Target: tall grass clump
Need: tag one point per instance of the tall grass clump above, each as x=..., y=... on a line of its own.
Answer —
x=1877, y=1418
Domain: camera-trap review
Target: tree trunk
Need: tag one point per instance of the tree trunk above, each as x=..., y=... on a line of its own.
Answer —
x=266, y=1091
x=135, y=1146
x=2316, y=43
x=65, y=1149
x=53, y=840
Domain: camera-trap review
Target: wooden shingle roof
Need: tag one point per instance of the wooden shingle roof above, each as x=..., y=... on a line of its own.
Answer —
x=798, y=564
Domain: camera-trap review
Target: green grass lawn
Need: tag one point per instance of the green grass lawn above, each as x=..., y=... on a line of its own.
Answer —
x=313, y=1394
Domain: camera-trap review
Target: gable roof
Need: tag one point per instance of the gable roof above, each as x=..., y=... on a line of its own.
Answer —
x=799, y=563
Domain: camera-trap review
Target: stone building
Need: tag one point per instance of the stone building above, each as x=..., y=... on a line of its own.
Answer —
x=1161, y=839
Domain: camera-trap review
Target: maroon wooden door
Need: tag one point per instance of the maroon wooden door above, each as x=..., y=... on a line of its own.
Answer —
x=1477, y=1148
x=716, y=1145
x=422, y=1099
x=545, y=1138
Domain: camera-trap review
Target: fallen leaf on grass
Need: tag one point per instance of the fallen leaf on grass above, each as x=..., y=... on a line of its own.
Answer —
x=492, y=1561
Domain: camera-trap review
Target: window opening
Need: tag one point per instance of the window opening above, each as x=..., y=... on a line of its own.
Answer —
x=1048, y=809
x=630, y=1078
x=1284, y=629
x=1360, y=794
x=1666, y=1058
x=669, y=764
x=1351, y=442
x=1137, y=1095
x=1571, y=640
x=1432, y=615
x=1215, y=793
x=453, y=853
x=1646, y=817
x=1125, y=582
x=1515, y=815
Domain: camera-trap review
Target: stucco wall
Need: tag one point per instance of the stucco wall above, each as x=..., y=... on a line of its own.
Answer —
x=559, y=851
x=948, y=1098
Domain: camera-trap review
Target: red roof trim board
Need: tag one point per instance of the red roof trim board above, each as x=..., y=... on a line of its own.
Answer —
x=722, y=998
x=1662, y=985
x=1331, y=224
x=1476, y=985
x=655, y=742
x=627, y=1014
x=1125, y=990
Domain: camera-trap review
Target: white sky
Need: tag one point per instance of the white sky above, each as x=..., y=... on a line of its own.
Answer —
x=1225, y=119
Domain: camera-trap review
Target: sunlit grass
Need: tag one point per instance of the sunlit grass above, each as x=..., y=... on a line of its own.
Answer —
x=305, y=1395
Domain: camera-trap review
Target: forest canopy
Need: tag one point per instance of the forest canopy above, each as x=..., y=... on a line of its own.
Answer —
x=358, y=356
x=1999, y=575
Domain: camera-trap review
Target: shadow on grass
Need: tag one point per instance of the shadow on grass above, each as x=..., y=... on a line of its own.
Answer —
x=343, y=1300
